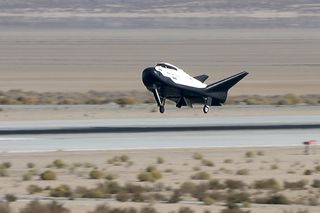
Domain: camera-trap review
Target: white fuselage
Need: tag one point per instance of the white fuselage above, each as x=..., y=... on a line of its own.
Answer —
x=178, y=76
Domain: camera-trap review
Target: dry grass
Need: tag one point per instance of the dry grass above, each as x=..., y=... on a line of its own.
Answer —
x=18, y=97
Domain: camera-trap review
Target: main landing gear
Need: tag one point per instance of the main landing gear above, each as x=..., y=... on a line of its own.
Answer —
x=205, y=109
x=207, y=103
x=160, y=101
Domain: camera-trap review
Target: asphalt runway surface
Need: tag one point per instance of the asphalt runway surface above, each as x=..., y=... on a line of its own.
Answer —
x=118, y=134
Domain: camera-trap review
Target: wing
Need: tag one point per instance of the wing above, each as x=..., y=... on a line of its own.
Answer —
x=201, y=78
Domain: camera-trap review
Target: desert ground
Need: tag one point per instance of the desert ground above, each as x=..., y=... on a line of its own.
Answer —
x=280, y=61
x=284, y=165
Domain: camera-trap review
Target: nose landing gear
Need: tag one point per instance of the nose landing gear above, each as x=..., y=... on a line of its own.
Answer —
x=160, y=101
x=161, y=109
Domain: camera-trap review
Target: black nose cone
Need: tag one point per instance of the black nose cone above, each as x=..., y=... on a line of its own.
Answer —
x=149, y=76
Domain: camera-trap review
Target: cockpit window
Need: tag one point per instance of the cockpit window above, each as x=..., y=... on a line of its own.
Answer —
x=166, y=66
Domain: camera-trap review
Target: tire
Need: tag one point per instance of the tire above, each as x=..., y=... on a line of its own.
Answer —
x=161, y=109
x=205, y=109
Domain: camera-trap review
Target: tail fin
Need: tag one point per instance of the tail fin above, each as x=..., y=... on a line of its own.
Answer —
x=225, y=84
x=201, y=78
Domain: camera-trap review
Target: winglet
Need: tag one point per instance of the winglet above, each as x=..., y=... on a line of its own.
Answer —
x=225, y=84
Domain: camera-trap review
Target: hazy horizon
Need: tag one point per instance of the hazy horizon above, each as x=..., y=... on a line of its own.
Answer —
x=155, y=14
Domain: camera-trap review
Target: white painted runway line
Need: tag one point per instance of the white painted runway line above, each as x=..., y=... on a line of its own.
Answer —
x=16, y=139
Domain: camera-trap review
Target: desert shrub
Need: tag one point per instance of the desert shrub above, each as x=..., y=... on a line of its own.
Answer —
x=32, y=189
x=111, y=187
x=188, y=187
x=61, y=191
x=95, y=174
x=243, y=172
x=175, y=197
x=3, y=172
x=130, y=163
x=27, y=176
x=151, y=168
x=148, y=209
x=217, y=196
x=266, y=184
x=126, y=101
x=238, y=197
x=122, y=196
x=317, y=168
x=307, y=172
x=124, y=158
x=138, y=197
x=105, y=209
x=207, y=163
x=228, y=161
x=151, y=174
x=37, y=207
x=297, y=185
x=234, y=184
x=10, y=197
x=201, y=176
x=215, y=184
x=274, y=167
x=274, y=199
x=197, y=156
x=185, y=210
x=145, y=176
x=6, y=165
x=111, y=176
x=156, y=174
x=160, y=160
x=250, y=154
x=88, y=193
x=292, y=99
x=133, y=188
x=83, y=192
x=246, y=204
x=196, y=168
x=316, y=183
x=59, y=164
x=48, y=175
x=260, y=153
x=200, y=191
x=30, y=165
x=208, y=201
x=101, y=209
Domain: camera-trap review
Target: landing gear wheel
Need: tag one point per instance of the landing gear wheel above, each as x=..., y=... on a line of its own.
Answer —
x=161, y=109
x=205, y=109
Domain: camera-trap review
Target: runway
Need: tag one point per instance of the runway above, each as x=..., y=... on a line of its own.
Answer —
x=157, y=133
x=160, y=125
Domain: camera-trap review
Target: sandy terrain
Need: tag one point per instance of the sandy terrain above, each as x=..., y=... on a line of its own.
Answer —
x=279, y=61
x=290, y=164
x=73, y=112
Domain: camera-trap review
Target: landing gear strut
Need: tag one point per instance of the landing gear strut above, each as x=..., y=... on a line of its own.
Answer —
x=160, y=101
x=207, y=103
